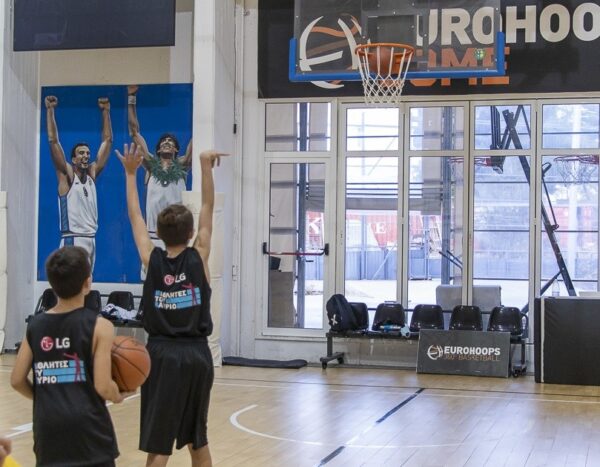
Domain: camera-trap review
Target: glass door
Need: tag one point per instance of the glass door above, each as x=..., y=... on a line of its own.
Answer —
x=298, y=244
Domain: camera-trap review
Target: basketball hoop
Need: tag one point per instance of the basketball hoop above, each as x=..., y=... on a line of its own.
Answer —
x=576, y=169
x=383, y=67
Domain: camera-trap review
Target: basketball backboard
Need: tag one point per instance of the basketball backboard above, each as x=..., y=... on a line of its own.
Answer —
x=452, y=38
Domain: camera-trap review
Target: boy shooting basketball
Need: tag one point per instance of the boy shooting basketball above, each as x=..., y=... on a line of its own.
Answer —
x=69, y=348
x=176, y=300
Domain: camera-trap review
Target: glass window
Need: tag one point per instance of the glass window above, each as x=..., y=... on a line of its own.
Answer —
x=571, y=126
x=371, y=229
x=436, y=128
x=570, y=224
x=501, y=232
x=435, y=256
x=372, y=129
x=494, y=125
x=304, y=126
x=296, y=222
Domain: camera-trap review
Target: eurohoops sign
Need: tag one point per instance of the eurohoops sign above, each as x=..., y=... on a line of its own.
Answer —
x=550, y=46
x=475, y=353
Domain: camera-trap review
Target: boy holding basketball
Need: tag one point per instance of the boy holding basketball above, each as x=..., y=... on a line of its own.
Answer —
x=176, y=300
x=69, y=349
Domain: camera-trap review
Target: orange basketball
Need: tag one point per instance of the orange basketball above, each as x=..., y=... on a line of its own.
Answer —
x=381, y=62
x=130, y=363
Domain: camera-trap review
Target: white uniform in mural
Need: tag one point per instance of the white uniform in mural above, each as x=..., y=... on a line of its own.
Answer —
x=159, y=195
x=78, y=211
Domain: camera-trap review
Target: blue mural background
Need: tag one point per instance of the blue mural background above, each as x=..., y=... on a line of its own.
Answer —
x=161, y=108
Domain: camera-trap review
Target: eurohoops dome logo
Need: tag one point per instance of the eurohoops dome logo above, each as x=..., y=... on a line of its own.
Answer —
x=434, y=352
x=329, y=41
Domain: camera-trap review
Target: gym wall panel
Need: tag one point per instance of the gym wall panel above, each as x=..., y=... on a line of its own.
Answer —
x=19, y=127
x=143, y=65
x=3, y=277
x=3, y=290
x=3, y=248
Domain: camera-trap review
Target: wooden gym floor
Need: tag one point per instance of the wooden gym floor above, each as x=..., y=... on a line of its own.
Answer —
x=365, y=417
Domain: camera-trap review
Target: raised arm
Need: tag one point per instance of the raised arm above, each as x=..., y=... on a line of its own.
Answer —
x=133, y=123
x=107, y=137
x=208, y=159
x=102, y=344
x=19, y=378
x=131, y=160
x=186, y=159
x=64, y=171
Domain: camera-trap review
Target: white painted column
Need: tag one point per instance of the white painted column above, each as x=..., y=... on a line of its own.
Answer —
x=214, y=75
x=193, y=202
x=3, y=276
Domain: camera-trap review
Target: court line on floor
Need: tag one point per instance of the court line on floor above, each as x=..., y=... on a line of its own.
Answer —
x=21, y=429
x=351, y=441
x=27, y=427
x=465, y=396
x=375, y=386
x=233, y=419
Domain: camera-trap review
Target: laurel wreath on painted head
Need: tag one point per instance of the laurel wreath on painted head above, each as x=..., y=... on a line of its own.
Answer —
x=174, y=172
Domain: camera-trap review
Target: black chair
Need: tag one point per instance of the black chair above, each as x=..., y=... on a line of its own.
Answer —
x=46, y=301
x=427, y=317
x=466, y=318
x=122, y=299
x=93, y=301
x=507, y=319
x=513, y=320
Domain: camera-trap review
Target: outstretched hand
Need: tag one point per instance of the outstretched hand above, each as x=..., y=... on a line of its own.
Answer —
x=212, y=156
x=131, y=158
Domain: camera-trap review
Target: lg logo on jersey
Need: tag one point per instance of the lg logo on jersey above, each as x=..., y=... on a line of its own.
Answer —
x=170, y=280
x=48, y=343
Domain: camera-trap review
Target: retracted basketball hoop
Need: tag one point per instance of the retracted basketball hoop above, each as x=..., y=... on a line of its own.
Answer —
x=383, y=67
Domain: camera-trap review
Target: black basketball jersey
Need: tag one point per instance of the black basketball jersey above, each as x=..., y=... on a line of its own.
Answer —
x=71, y=424
x=176, y=297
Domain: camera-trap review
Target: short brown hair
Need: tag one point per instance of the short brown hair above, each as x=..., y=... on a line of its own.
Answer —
x=174, y=225
x=67, y=270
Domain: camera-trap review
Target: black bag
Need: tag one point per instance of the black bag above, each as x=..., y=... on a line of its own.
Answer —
x=340, y=314
x=389, y=313
x=361, y=314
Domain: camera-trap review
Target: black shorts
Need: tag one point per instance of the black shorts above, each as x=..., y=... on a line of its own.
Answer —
x=176, y=395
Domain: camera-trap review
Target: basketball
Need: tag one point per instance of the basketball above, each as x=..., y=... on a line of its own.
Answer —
x=380, y=61
x=130, y=363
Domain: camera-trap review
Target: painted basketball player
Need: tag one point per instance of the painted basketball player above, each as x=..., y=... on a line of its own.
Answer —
x=78, y=204
x=166, y=171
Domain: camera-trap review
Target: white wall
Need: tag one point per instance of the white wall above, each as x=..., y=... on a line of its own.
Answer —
x=18, y=176
x=150, y=65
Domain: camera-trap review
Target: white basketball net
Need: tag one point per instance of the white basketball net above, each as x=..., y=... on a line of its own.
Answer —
x=383, y=69
x=576, y=169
